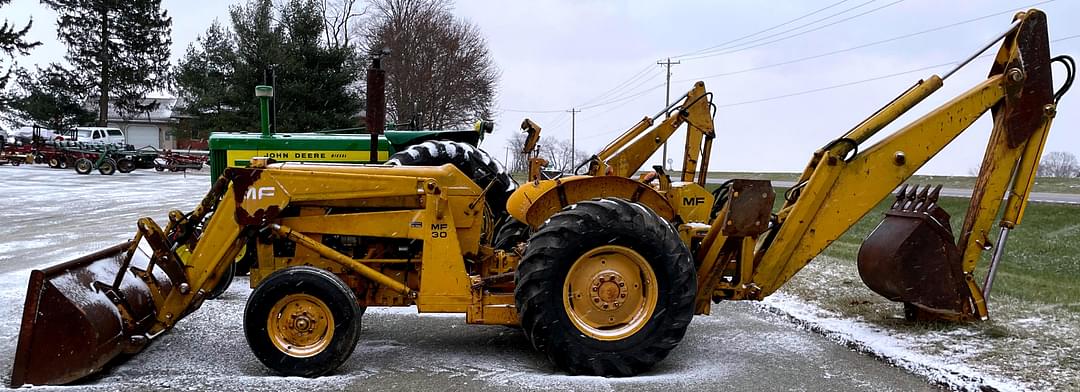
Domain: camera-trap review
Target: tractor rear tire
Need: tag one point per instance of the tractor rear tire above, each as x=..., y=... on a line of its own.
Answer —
x=302, y=321
x=53, y=163
x=605, y=288
x=84, y=166
x=125, y=165
x=107, y=167
x=474, y=162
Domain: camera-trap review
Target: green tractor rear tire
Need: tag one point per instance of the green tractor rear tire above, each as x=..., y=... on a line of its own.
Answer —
x=474, y=162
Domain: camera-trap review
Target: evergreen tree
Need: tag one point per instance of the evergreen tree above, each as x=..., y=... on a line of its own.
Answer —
x=316, y=82
x=120, y=48
x=50, y=98
x=204, y=80
x=12, y=43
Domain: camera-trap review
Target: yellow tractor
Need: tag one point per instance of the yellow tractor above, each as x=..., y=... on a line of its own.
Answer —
x=603, y=272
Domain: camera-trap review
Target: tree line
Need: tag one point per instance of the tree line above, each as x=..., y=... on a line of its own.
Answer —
x=314, y=52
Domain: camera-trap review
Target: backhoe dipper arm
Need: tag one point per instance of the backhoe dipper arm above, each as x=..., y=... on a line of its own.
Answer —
x=626, y=154
x=841, y=184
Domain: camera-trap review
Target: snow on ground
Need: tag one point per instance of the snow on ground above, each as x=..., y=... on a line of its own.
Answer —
x=897, y=348
x=48, y=216
x=1024, y=345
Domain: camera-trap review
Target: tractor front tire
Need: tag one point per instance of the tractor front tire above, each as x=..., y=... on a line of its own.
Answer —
x=302, y=321
x=53, y=163
x=83, y=166
x=605, y=288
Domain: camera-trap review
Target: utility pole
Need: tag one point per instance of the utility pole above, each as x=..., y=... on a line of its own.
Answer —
x=667, y=99
x=573, y=149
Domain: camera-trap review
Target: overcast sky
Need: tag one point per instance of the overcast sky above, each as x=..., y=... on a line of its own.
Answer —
x=601, y=56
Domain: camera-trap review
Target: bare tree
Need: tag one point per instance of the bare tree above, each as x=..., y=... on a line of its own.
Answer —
x=338, y=17
x=519, y=163
x=439, y=72
x=557, y=152
x=1059, y=164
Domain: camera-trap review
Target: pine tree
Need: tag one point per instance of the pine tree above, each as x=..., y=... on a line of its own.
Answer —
x=204, y=80
x=316, y=81
x=12, y=43
x=118, y=47
x=48, y=97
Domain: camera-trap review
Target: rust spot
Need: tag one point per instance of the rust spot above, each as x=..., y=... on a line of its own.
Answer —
x=242, y=179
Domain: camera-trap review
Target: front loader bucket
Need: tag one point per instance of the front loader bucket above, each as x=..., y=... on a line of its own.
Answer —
x=911, y=257
x=81, y=314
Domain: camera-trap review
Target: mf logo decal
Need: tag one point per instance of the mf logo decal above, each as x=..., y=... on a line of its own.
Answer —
x=438, y=230
x=259, y=193
x=693, y=201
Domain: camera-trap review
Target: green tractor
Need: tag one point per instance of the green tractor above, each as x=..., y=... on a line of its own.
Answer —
x=235, y=149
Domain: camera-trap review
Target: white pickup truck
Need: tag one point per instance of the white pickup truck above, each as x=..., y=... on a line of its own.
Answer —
x=100, y=135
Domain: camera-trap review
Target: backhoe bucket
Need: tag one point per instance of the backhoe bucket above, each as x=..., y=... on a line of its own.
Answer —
x=911, y=257
x=81, y=314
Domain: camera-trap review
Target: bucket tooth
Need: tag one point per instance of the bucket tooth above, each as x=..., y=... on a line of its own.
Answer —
x=899, y=197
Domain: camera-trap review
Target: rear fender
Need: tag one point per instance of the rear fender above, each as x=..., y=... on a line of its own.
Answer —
x=535, y=202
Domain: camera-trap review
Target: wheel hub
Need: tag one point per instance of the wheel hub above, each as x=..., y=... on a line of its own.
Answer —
x=608, y=290
x=300, y=325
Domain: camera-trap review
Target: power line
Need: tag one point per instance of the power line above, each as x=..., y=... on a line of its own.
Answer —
x=644, y=71
x=762, y=31
x=861, y=81
x=841, y=85
x=866, y=45
x=624, y=98
x=621, y=86
x=528, y=111
x=742, y=47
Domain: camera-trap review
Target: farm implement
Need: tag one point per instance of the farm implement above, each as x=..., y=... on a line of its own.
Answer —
x=173, y=161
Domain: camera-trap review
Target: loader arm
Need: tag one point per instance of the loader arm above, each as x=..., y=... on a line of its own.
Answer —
x=841, y=183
